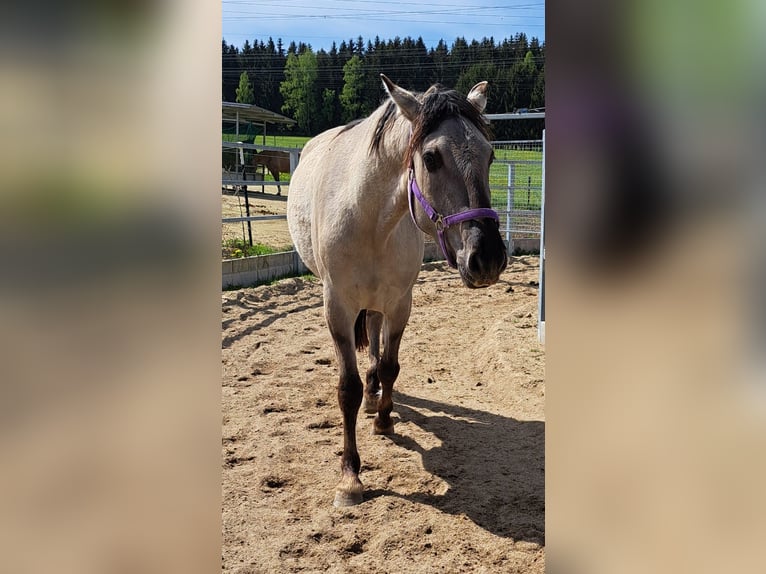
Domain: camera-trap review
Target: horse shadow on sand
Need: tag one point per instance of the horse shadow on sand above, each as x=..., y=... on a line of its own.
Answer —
x=494, y=466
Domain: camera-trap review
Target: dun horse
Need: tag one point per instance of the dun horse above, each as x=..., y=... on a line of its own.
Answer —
x=358, y=201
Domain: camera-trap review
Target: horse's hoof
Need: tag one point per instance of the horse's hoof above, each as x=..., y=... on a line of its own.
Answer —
x=370, y=404
x=344, y=499
x=349, y=491
x=380, y=428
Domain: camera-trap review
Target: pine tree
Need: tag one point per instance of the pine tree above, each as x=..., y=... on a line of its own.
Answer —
x=538, y=93
x=353, y=88
x=300, y=90
x=229, y=68
x=245, y=90
x=440, y=58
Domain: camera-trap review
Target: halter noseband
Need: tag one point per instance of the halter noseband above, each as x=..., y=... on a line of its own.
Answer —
x=443, y=222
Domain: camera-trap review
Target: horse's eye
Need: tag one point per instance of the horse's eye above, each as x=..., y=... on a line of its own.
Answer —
x=432, y=160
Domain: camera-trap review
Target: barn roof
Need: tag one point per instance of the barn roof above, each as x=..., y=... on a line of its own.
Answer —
x=250, y=113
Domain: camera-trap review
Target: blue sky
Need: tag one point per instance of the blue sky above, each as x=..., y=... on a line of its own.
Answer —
x=320, y=22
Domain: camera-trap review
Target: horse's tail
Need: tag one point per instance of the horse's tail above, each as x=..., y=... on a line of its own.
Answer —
x=360, y=330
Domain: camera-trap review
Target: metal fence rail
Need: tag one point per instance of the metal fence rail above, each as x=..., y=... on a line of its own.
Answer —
x=253, y=218
x=244, y=173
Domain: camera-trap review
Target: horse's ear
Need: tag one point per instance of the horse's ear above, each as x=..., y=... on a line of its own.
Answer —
x=406, y=101
x=478, y=96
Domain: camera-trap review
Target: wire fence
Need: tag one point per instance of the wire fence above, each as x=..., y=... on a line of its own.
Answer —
x=516, y=186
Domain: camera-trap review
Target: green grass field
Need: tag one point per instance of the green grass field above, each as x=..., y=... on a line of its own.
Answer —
x=271, y=140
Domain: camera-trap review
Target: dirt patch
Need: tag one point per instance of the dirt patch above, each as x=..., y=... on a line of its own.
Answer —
x=458, y=488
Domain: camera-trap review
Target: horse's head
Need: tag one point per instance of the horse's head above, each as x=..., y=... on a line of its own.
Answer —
x=449, y=155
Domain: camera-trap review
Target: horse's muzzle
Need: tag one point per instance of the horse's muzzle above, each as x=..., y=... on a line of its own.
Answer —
x=483, y=257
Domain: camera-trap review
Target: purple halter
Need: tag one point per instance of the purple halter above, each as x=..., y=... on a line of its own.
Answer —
x=444, y=222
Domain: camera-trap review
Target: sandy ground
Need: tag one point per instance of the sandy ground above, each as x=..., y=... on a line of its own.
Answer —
x=458, y=488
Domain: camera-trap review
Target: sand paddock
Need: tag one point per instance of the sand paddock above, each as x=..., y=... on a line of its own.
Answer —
x=459, y=488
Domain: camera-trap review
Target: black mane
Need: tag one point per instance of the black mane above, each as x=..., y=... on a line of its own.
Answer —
x=384, y=124
x=437, y=104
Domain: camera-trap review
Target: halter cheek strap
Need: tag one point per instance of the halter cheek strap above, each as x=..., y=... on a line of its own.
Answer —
x=443, y=222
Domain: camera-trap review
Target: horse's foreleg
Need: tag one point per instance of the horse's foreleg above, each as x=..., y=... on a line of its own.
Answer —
x=341, y=323
x=372, y=390
x=388, y=369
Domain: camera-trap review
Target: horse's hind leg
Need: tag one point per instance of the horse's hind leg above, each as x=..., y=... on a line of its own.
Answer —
x=341, y=323
x=372, y=390
x=388, y=369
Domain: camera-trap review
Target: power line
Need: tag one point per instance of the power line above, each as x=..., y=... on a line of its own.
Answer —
x=462, y=11
x=457, y=3
x=388, y=11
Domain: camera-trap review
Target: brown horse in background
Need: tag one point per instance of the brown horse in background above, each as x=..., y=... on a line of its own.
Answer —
x=275, y=161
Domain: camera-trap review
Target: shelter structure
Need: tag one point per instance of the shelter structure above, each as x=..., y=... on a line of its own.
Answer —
x=252, y=114
x=235, y=112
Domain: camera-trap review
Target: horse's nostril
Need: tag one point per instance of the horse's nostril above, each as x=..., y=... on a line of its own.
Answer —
x=484, y=268
x=474, y=264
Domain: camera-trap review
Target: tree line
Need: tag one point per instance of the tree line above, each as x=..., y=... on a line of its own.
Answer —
x=328, y=88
